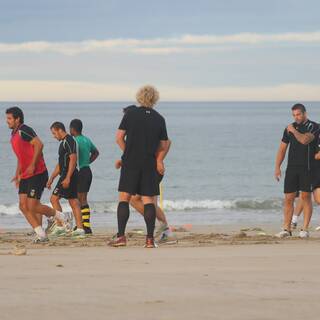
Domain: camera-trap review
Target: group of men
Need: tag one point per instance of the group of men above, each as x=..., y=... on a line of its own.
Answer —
x=302, y=177
x=142, y=137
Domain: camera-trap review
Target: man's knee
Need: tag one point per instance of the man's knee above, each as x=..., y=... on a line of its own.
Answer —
x=289, y=199
x=306, y=196
x=123, y=196
x=23, y=206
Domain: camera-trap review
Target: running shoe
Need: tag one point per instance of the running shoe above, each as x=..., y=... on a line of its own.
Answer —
x=51, y=225
x=162, y=228
x=304, y=234
x=318, y=228
x=58, y=231
x=38, y=239
x=78, y=233
x=150, y=243
x=167, y=237
x=118, y=241
x=284, y=234
x=87, y=230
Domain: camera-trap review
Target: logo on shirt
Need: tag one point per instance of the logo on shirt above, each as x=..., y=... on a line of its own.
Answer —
x=32, y=193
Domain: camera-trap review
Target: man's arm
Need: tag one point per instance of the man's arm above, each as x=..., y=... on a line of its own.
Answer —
x=54, y=174
x=303, y=138
x=72, y=166
x=94, y=155
x=160, y=155
x=16, y=178
x=38, y=147
x=162, y=150
x=120, y=139
x=279, y=159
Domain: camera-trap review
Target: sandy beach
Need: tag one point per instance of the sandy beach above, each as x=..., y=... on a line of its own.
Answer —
x=205, y=275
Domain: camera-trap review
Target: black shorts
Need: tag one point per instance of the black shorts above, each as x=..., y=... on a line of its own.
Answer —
x=84, y=180
x=160, y=177
x=298, y=179
x=144, y=182
x=316, y=178
x=71, y=192
x=34, y=186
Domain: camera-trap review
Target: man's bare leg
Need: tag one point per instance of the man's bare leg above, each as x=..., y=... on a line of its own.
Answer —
x=136, y=202
x=288, y=210
x=297, y=211
x=30, y=217
x=75, y=206
x=307, y=209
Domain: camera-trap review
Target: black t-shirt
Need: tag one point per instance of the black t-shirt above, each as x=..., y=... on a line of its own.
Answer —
x=67, y=146
x=299, y=154
x=145, y=128
x=26, y=133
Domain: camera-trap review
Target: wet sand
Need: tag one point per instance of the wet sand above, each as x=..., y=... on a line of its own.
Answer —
x=210, y=273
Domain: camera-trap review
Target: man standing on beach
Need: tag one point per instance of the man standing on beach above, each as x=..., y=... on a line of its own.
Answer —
x=31, y=174
x=87, y=153
x=136, y=202
x=141, y=135
x=300, y=135
x=67, y=185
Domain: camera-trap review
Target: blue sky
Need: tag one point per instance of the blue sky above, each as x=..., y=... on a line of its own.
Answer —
x=191, y=50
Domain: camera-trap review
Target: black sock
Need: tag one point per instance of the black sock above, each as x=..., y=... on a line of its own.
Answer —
x=123, y=216
x=150, y=218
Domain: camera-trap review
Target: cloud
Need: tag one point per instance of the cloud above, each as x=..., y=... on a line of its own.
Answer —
x=171, y=45
x=89, y=91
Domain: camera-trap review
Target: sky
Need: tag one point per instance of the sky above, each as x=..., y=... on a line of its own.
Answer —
x=104, y=50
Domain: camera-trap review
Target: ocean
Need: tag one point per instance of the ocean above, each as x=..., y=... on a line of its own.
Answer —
x=219, y=169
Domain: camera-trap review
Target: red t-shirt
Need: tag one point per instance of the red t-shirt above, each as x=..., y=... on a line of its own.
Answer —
x=24, y=150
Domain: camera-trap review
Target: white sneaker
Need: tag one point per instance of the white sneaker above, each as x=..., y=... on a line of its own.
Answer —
x=283, y=234
x=78, y=233
x=38, y=239
x=318, y=228
x=58, y=231
x=63, y=219
x=304, y=234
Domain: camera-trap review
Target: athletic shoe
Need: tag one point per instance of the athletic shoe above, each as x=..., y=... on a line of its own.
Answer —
x=118, y=241
x=304, y=234
x=150, y=243
x=294, y=225
x=87, y=230
x=284, y=234
x=167, y=237
x=78, y=233
x=162, y=228
x=318, y=228
x=64, y=220
x=51, y=225
x=58, y=231
x=38, y=239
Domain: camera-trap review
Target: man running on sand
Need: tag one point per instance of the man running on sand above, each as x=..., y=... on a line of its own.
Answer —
x=141, y=135
x=31, y=174
x=136, y=202
x=87, y=153
x=300, y=135
x=67, y=184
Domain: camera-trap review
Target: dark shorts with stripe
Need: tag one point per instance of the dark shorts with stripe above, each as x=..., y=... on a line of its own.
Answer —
x=69, y=193
x=298, y=179
x=34, y=186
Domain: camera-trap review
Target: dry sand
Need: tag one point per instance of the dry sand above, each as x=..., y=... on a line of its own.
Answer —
x=208, y=274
